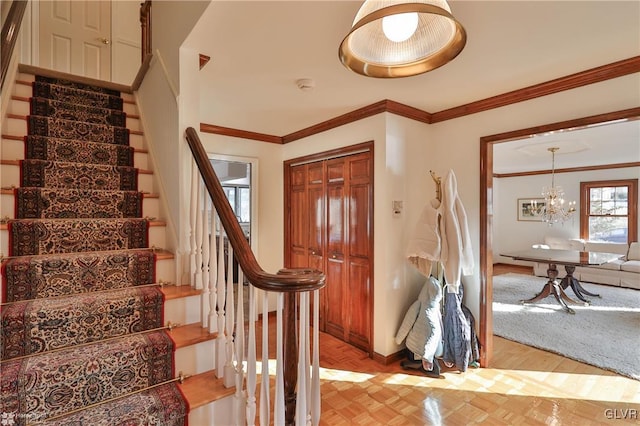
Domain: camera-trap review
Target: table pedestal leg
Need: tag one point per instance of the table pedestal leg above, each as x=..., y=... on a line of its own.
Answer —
x=553, y=287
x=570, y=281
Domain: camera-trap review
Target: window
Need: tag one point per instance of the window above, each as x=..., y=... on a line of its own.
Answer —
x=609, y=210
x=240, y=199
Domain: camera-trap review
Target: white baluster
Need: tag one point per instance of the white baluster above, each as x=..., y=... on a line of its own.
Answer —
x=265, y=394
x=213, y=273
x=315, y=379
x=221, y=290
x=251, y=360
x=204, y=298
x=192, y=223
x=279, y=410
x=198, y=283
x=229, y=370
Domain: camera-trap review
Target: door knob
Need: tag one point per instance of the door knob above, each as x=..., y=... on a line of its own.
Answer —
x=104, y=40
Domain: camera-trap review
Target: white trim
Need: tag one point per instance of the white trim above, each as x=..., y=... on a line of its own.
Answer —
x=254, y=192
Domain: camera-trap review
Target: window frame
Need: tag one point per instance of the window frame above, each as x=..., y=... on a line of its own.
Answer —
x=632, y=208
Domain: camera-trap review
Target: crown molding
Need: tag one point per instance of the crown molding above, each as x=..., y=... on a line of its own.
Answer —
x=583, y=78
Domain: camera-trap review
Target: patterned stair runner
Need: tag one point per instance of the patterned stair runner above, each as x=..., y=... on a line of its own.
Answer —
x=74, y=151
x=42, y=325
x=58, y=174
x=57, y=382
x=79, y=341
x=36, y=203
x=32, y=277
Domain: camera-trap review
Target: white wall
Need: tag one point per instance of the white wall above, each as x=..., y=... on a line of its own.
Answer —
x=456, y=143
x=508, y=190
x=180, y=17
x=401, y=164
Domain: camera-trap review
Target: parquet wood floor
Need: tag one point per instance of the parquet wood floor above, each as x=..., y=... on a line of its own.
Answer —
x=524, y=386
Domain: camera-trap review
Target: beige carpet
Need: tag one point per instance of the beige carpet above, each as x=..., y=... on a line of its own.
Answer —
x=605, y=334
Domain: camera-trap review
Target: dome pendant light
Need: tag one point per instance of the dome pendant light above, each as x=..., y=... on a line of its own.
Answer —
x=393, y=38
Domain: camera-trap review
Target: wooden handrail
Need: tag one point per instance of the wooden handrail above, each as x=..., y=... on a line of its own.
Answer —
x=287, y=280
x=10, y=31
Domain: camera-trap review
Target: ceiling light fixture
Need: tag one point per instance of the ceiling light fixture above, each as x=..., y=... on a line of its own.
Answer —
x=397, y=38
x=553, y=209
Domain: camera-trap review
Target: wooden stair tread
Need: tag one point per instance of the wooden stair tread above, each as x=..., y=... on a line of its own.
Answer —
x=204, y=388
x=178, y=291
x=190, y=334
x=19, y=98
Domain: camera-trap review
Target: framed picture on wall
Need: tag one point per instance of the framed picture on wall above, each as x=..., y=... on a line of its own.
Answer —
x=530, y=209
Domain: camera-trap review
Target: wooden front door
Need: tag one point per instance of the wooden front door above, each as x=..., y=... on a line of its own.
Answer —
x=329, y=227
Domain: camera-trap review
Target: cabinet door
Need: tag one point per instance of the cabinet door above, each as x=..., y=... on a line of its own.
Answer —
x=358, y=291
x=335, y=252
x=298, y=218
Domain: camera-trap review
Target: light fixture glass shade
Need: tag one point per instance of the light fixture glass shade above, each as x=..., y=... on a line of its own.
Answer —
x=554, y=209
x=368, y=50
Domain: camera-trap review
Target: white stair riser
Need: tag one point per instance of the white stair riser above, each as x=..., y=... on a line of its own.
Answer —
x=12, y=149
x=25, y=77
x=16, y=127
x=19, y=107
x=185, y=310
x=196, y=359
x=133, y=124
x=24, y=90
x=220, y=412
x=137, y=141
x=166, y=270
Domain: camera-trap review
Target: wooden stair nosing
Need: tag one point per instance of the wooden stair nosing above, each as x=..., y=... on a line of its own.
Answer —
x=190, y=334
x=178, y=291
x=204, y=388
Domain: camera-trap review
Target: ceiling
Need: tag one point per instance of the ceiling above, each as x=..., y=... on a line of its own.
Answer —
x=259, y=49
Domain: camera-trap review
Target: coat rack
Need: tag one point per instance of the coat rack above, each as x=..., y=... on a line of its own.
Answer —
x=438, y=181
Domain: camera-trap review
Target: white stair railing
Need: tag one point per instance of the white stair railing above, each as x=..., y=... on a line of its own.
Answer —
x=213, y=237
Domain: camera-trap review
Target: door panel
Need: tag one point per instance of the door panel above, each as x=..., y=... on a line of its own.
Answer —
x=72, y=35
x=333, y=290
x=359, y=229
x=359, y=312
x=335, y=221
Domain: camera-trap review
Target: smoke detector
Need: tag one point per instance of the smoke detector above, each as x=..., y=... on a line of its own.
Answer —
x=305, y=84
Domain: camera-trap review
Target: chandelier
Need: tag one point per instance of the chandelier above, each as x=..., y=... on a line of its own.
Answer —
x=401, y=38
x=553, y=210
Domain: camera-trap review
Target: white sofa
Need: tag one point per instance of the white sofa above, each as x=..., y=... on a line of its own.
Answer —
x=623, y=272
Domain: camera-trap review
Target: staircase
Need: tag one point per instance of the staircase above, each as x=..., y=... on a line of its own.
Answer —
x=94, y=329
